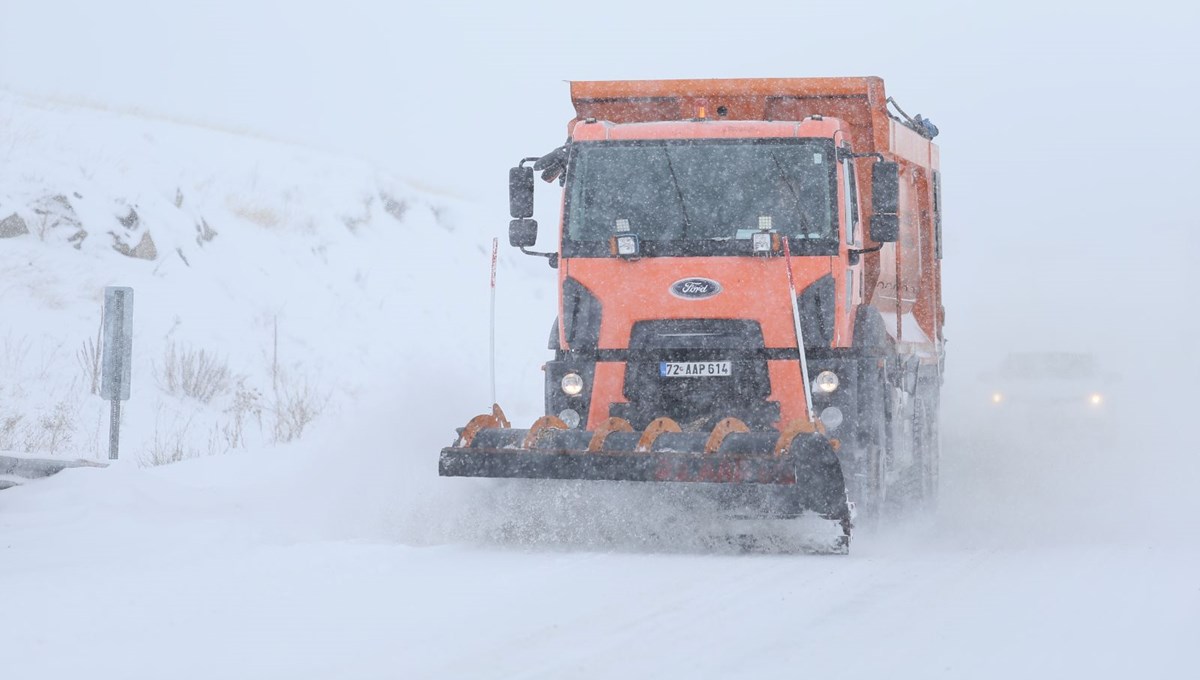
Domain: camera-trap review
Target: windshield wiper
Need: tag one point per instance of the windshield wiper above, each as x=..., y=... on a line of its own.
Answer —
x=804, y=222
x=687, y=224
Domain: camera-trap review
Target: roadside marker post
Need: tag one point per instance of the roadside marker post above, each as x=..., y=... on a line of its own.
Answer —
x=117, y=362
x=492, y=325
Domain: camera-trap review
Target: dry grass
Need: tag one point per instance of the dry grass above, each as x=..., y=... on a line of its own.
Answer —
x=89, y=356
x=257, y=214
x=193, y=373
x=296, y=405
x=52, y=431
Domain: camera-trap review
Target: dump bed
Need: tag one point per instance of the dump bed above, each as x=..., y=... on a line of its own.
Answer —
x=860, y=102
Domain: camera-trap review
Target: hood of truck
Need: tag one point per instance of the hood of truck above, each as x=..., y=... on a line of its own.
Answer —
x=753, y=288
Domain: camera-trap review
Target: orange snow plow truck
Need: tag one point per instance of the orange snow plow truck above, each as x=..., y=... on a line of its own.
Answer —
x=749, y=298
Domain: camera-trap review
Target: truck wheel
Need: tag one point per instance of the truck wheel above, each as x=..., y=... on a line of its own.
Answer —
x=929, y=450
x=917, y=487
x=876, y=494
x=866, y=457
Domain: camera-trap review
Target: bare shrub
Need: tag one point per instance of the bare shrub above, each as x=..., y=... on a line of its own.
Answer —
x=176, y=443
x=260, y=215
x=167, y=448
x=295, y=406
x=8, y=430
x=89, y=357
x=194, y=373
x=52, y=430
x=247, y=405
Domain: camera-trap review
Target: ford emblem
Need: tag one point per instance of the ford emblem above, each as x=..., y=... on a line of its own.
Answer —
x=695, y=288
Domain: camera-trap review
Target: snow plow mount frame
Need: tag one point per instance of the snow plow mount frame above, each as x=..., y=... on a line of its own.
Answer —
x=617, y=467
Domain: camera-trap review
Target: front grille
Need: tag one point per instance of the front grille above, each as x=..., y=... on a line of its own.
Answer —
x=698, y=401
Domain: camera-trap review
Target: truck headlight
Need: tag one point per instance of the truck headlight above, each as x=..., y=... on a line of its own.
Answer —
x=571, y=384
x=827, y=381
x=1096, y=399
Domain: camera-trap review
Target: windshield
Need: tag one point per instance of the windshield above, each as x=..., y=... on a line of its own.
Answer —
x=678, y=195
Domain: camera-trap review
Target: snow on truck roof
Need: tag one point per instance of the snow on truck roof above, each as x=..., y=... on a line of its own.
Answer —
x=859, y=102
x=590, y=130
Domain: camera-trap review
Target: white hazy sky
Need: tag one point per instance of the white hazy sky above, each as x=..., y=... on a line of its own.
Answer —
x=1067, y=128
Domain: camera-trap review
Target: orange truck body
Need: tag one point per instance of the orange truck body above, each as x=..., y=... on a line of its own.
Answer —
x=902, y=280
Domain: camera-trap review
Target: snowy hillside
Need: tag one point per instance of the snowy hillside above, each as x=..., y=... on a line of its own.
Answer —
x=272, y=283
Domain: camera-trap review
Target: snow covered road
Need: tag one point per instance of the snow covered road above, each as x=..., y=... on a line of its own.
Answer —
x=274, y=566
x=375, y=610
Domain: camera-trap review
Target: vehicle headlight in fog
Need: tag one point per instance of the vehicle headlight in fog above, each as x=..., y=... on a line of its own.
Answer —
x=570, y=416
x=827, y=381
x=997, y=398
x=1096, y=399
x=572, y=384
x=831, y=417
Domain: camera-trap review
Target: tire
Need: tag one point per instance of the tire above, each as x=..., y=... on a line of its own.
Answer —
x=866, y=473
x=867, y=478
x=930, y=451
x=901, y=454
x=916, y=491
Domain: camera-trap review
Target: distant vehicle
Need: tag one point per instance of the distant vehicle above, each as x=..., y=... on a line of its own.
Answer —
x=1058, y=384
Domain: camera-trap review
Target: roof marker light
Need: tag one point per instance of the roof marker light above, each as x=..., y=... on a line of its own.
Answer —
x=627, y=246
x=765, y=223
x=762, y=242
x=622, y=224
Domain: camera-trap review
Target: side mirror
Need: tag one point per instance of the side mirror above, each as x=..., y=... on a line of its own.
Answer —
x=885, y=228
x=520, y=192
x=885, y=202
x=885, y=187
x=522, y=232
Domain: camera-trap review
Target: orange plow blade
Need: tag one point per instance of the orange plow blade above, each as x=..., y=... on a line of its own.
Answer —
x=797, y=470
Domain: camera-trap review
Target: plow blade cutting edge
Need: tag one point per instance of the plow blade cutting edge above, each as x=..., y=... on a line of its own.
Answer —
x=798, y=470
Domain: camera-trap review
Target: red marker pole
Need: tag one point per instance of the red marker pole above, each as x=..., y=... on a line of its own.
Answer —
x=495, y=253
x=787, y=261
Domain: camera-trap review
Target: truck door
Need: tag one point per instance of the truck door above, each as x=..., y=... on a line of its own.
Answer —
x=851, y=277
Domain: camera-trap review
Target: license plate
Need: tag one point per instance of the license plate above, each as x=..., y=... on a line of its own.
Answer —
x=694, y=369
